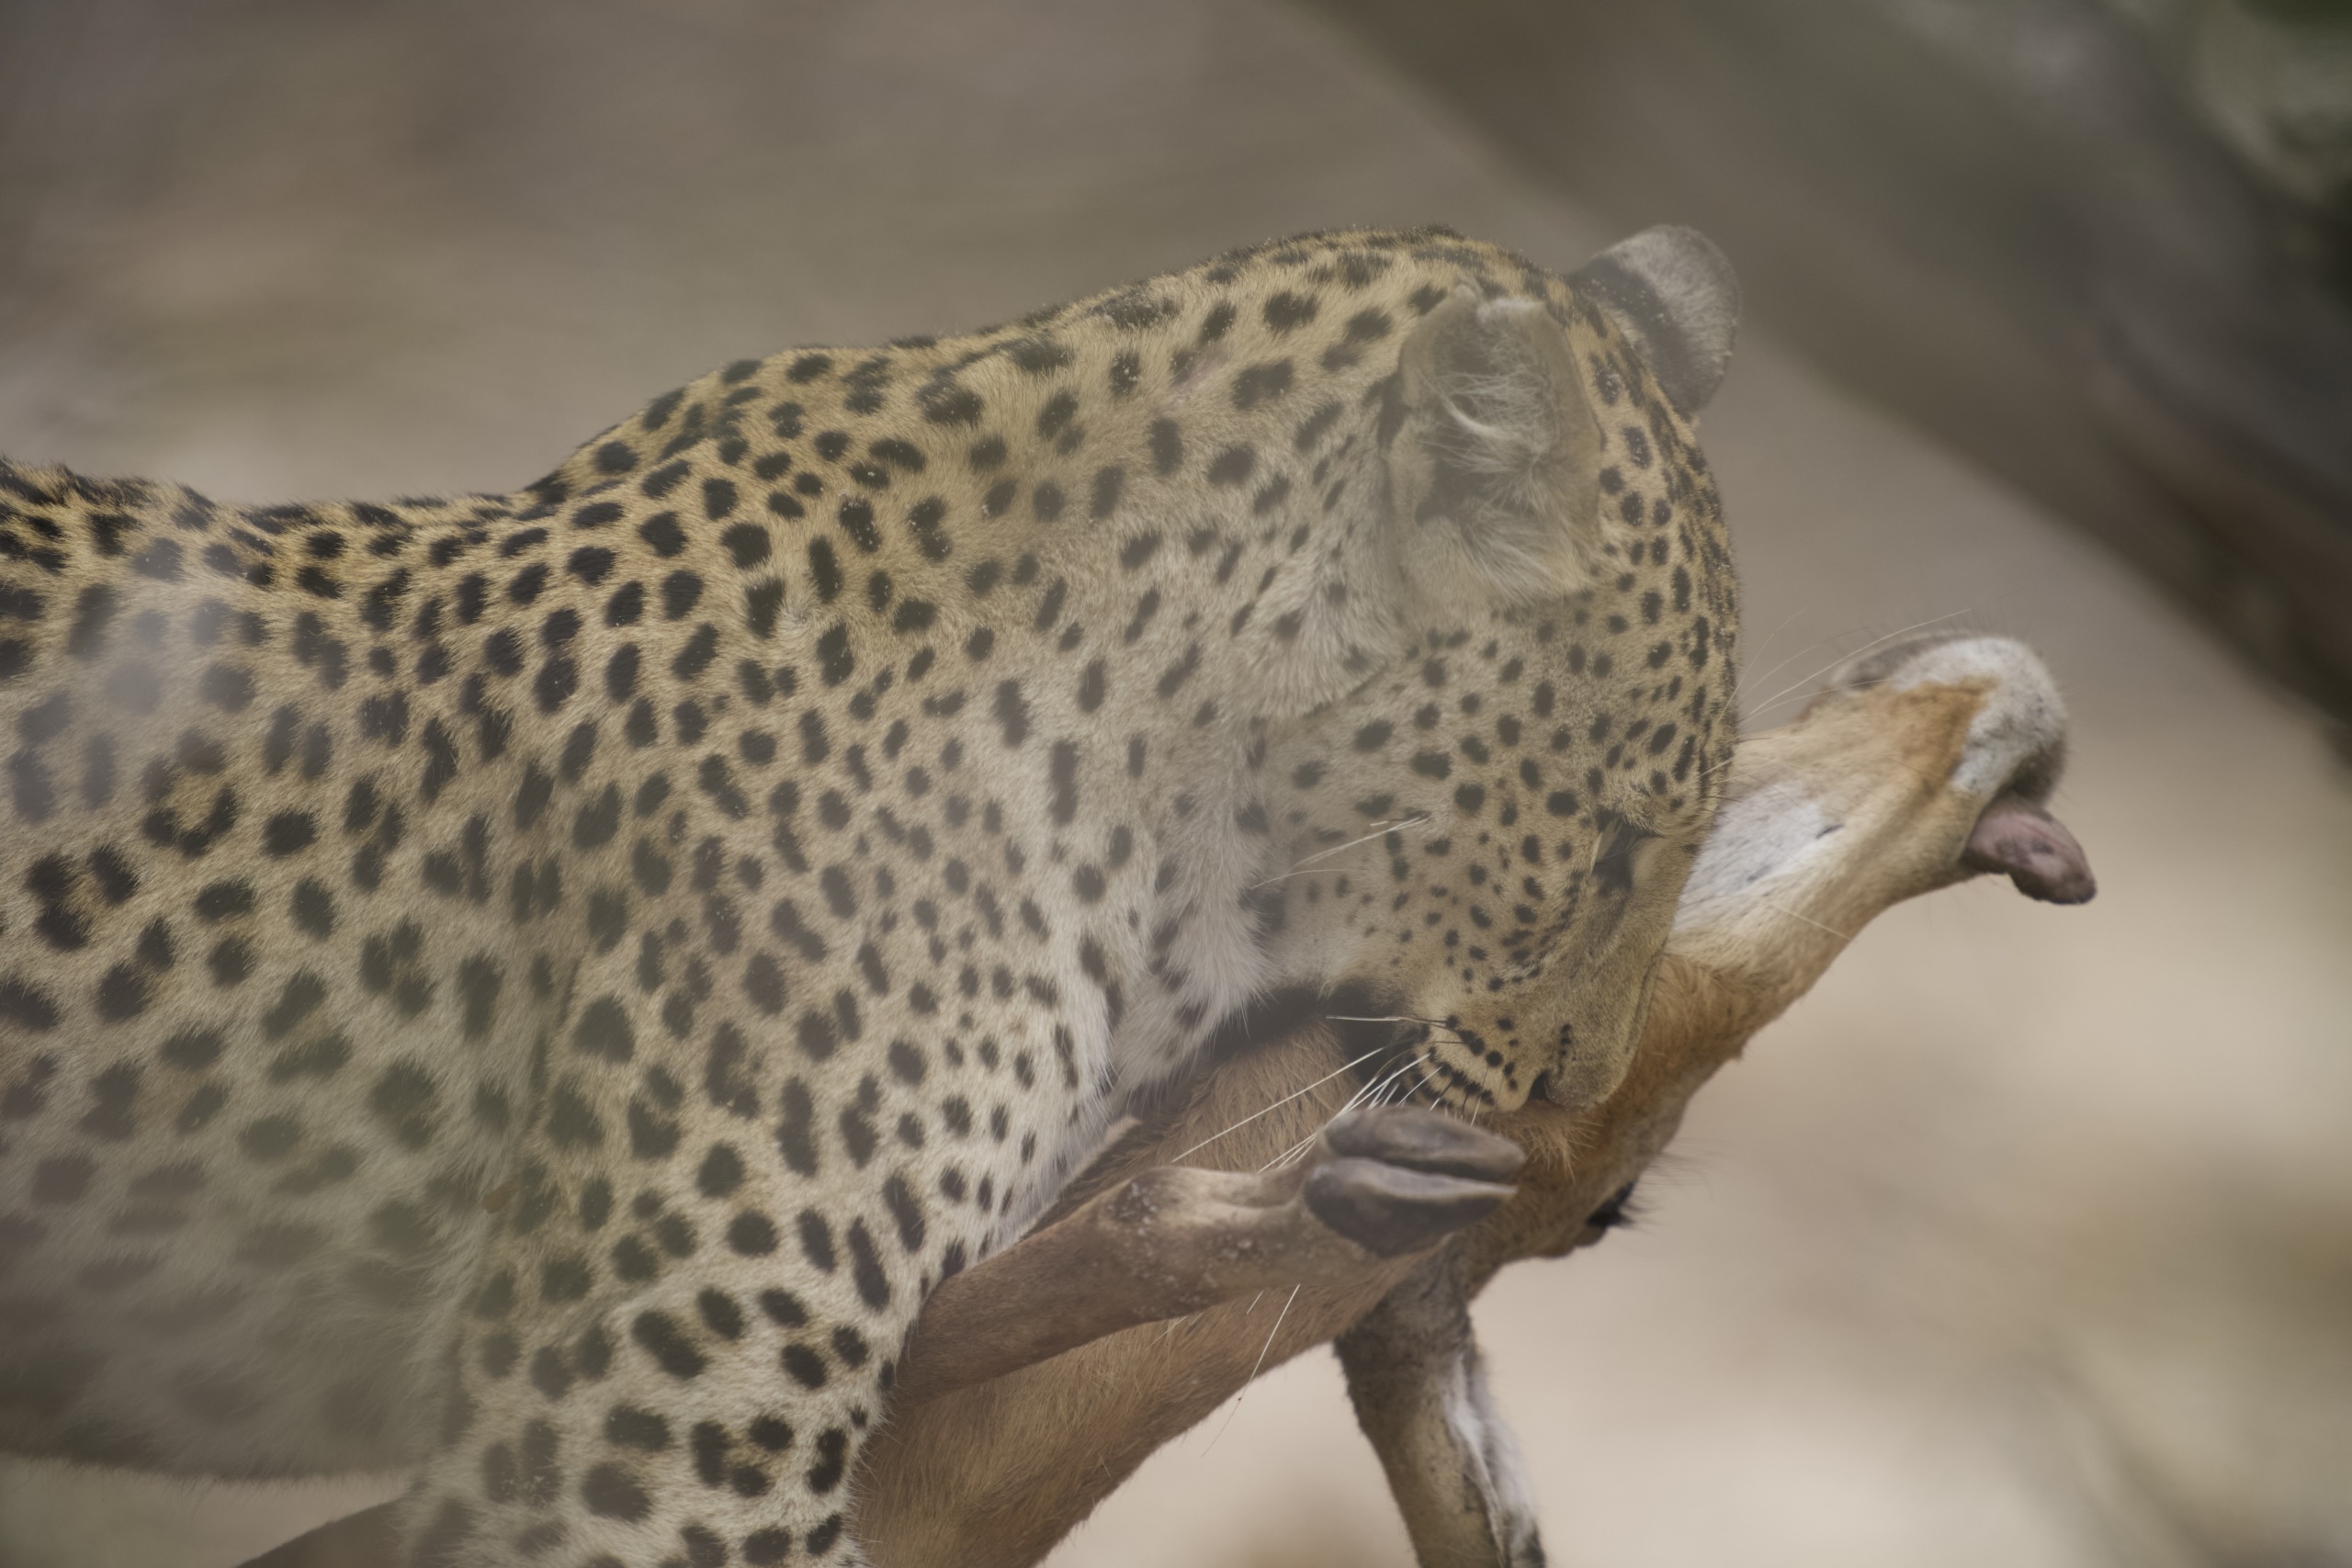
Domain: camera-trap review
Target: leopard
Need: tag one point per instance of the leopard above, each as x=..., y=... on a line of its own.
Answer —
x=536, y=987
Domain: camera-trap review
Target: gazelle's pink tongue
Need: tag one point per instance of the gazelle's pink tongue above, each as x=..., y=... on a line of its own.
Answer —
x=2033, y=849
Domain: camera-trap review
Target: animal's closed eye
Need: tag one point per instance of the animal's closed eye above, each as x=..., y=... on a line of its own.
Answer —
x=1620, y=854
x=1616, y=1212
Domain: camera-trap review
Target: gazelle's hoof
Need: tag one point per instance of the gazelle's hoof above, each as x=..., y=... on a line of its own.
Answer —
x=1404, y=1179
x=1421, y=1139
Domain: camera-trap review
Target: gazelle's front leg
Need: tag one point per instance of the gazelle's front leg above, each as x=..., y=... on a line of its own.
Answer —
x=1420, y=1394
x=1175, y=1239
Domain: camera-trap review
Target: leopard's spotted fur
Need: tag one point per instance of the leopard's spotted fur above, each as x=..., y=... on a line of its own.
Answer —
x=544, y=984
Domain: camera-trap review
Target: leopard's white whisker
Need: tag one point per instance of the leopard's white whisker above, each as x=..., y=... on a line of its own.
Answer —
x=1843, y=658
x=1380, y=832
x=1767, y=642
x=1277, y=1105
x=1256, y=1366
x=1808, y=920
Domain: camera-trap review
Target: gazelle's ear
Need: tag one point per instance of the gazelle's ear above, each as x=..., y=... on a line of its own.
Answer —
x=1676, y=293
x=1496, y=461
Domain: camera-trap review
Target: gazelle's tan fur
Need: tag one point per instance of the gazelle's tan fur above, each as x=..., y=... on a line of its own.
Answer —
x=1920, y=767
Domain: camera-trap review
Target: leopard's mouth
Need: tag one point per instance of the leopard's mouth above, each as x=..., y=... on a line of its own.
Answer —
x=1408, y=1066
x=1381, y=1041
x=1392, y=1055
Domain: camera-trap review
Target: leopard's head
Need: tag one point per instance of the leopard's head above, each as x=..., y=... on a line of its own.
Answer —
x=1486, y=837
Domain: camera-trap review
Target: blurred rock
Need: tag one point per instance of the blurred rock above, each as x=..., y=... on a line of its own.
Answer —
x=2102, y=245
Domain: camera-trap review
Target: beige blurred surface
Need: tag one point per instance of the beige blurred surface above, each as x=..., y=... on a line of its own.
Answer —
x=2026, y=1239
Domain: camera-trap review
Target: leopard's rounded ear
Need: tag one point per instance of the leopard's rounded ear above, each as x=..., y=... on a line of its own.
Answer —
x=1676, y=293
x=1496, y=457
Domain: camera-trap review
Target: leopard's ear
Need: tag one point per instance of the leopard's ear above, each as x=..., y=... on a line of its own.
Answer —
x=1676, y=294
x=1496, y=455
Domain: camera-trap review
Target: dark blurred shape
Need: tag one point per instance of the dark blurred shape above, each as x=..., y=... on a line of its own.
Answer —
x=2103, y=245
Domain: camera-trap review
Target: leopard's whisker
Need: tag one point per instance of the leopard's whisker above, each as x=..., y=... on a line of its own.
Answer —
x=1379, y=1092
x=1291, y=1155
x=1808, y=920
x=1257, y=1366
x=1874, y=642
x=1278, y=1104
x=1361, y=1097
x=1747, y=681
x=1380, y=831
x=1786, y=622
x=1426, y=1079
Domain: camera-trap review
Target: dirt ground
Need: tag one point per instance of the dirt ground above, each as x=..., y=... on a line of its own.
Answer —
x=2027, y=1239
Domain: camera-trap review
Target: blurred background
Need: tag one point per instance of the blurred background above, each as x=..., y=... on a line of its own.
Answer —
x=2027, y=1237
